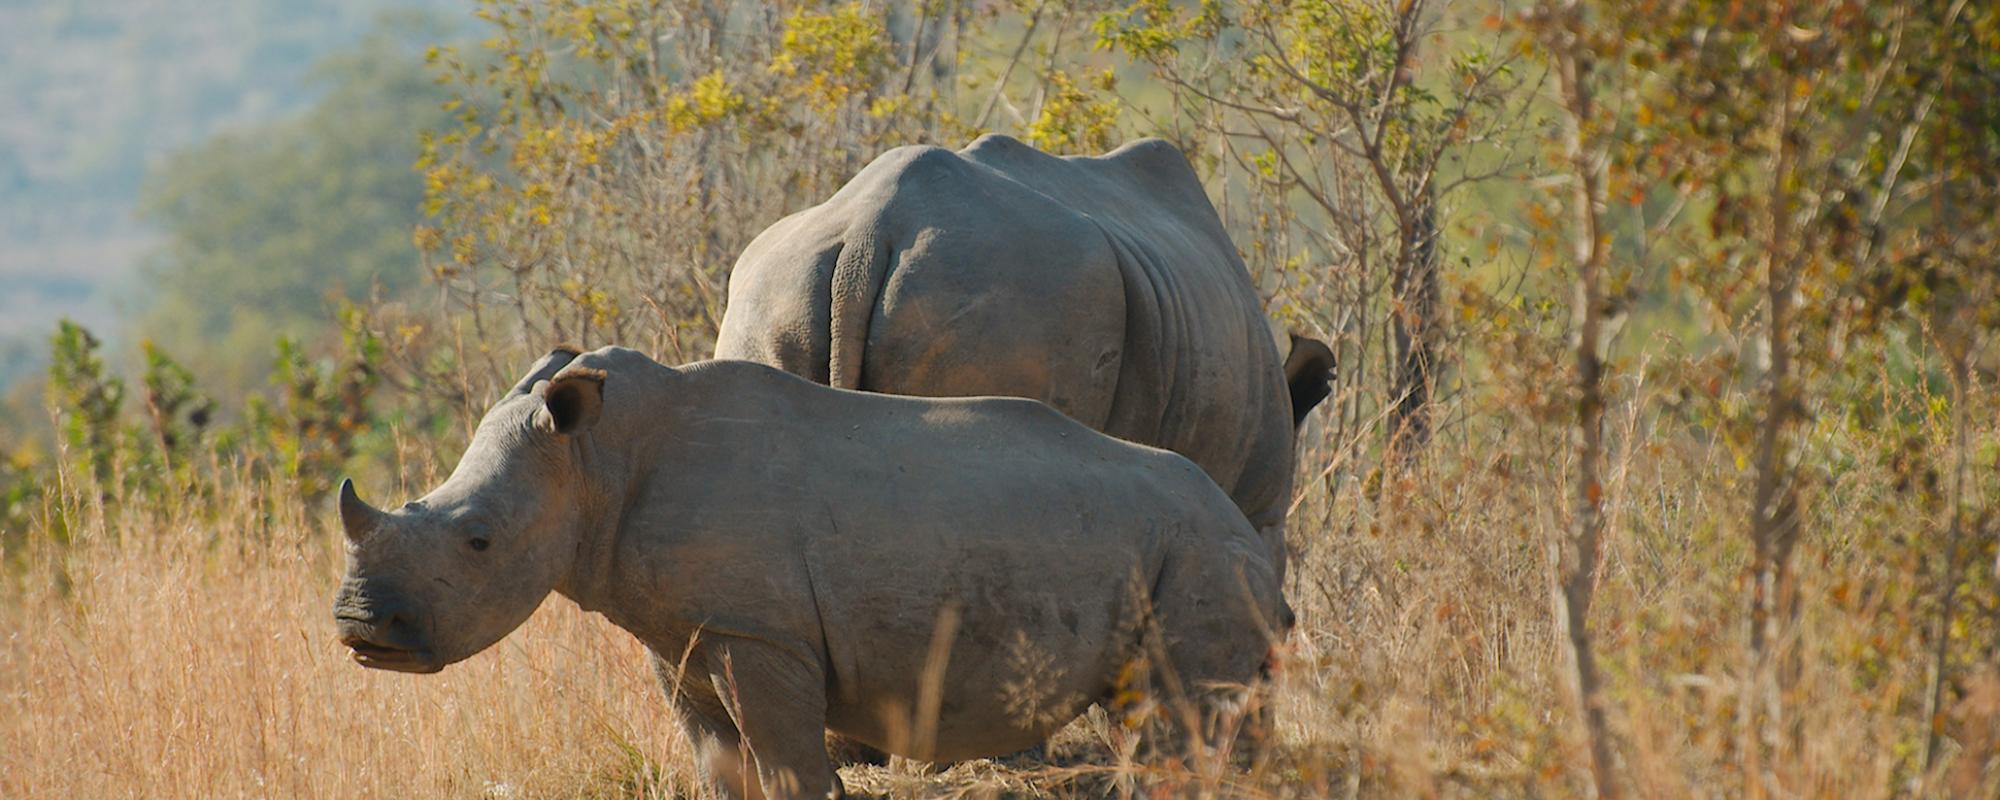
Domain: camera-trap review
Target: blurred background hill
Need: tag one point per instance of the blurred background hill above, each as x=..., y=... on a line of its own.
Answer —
x=98, y=95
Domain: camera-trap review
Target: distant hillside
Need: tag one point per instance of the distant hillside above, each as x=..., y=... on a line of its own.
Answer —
x=93, y=94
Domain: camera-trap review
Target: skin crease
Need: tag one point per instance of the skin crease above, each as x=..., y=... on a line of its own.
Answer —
x=1104, y=286
x=799, y=545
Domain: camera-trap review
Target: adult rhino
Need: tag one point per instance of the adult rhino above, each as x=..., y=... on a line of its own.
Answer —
x=1103, y=286
x=794, y=555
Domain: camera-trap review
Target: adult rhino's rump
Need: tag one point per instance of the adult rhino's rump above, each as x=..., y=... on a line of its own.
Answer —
x=1103, y=286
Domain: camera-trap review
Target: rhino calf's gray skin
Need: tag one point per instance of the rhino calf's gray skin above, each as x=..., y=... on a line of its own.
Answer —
x=789, y=551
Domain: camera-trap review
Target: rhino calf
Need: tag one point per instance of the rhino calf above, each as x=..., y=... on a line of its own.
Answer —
x=797, y=557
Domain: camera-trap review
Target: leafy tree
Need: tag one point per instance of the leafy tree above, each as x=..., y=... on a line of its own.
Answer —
x=1351, y=121
x=20, y=490
x=1811, y=175
x=310, y=429
x=266, y=227
x=87, y=398
x=610, y=160
x=177, y=413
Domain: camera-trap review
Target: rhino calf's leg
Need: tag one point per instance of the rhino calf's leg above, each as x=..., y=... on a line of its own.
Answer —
x=719, y=753
x=1218, y=622
x=758, y=722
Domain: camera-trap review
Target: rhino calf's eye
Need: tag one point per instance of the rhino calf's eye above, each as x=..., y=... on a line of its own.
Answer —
x=479, y=544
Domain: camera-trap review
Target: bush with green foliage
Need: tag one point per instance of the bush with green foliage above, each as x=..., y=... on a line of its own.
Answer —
x=269, y=229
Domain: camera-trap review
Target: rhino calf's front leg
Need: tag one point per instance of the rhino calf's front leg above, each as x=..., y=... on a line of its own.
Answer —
x=756, y=714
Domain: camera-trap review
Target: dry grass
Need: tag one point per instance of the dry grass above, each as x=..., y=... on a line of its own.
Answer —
x=167, y=656
x=180, y=663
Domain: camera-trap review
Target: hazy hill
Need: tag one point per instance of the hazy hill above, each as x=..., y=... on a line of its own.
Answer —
x=93, y=93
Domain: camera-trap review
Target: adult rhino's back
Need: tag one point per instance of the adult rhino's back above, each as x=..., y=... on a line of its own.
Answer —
x=1105, y=287
x=931, y=275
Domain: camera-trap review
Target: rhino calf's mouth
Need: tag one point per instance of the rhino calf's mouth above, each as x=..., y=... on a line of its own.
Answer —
x=381, y=656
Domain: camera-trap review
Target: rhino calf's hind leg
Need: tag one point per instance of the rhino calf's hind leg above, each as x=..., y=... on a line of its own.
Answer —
x=1218, y=621
x=764, y=708
x=719, y=753
x=729, y=685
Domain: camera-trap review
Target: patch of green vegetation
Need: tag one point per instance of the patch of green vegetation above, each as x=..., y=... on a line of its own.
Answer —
x=269, y=228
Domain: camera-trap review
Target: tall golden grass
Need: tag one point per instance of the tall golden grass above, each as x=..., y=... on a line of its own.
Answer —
x=166, y=656
x=188, y=652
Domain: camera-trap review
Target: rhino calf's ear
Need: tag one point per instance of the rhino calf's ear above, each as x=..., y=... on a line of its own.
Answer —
x=571, y=400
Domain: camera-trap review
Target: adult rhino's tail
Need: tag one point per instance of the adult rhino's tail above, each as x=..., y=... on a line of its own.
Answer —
x=1309, y=375
x=858, y=275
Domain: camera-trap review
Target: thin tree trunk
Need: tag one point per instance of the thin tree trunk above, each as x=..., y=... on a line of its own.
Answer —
x=1954, y=565
x=1586, y=543
x=1000, y=85
x=1774, y=515
x=1414, y=326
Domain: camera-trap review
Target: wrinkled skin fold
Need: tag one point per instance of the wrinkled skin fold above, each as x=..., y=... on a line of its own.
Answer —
x=796, y=556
